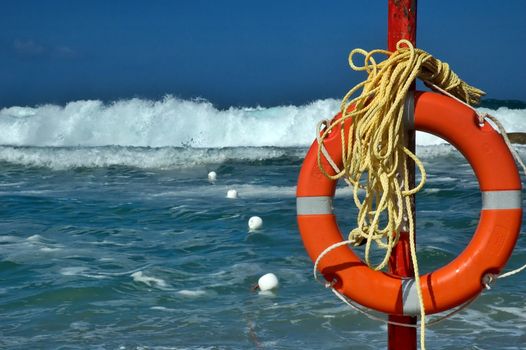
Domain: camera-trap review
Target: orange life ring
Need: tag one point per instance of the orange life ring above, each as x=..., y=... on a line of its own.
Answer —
x=460, y=280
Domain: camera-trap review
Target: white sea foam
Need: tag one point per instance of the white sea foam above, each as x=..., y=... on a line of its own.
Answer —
x=11, y=184
x=139, y=276
x=170, y=122
x=50, y=249
x=191, y=293
x=81, y=271
x=140, y=157
x=170, y=132
x=73, y=270
x=162, y=308
x=9, y=239
x=35, y=238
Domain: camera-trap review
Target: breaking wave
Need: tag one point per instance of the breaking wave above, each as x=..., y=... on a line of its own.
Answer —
x=170, y=132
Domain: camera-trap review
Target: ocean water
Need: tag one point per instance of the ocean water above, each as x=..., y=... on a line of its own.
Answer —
x=112, y=237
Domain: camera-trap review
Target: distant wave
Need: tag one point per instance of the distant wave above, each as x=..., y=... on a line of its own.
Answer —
x=172, y=122
x=171, y=132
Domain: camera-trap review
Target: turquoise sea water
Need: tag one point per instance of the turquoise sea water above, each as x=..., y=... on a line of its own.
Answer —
x=129, y=246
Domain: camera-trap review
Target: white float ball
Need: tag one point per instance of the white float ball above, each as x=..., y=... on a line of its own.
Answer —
x=255, y=223
x=212, y=176
x=232, y=194
x=268, y=282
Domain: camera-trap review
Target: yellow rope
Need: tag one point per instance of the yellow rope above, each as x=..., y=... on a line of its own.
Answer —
x=374, y=152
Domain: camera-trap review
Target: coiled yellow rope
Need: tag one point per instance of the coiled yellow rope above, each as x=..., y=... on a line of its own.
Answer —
x=374, y=152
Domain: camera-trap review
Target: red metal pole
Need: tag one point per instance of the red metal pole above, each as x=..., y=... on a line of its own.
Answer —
x=401, y=24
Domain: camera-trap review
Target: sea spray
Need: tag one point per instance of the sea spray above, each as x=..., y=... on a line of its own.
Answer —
x=170, y=122
x=173, y=122
x=173, y=133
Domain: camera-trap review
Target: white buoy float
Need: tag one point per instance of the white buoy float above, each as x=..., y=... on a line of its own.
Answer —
x=255, y=223
x=232, y=194
x=212, y=176
x=267, y=282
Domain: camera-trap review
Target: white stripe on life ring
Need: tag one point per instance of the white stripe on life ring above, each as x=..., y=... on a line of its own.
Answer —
x=319, y=205
x=510, y=199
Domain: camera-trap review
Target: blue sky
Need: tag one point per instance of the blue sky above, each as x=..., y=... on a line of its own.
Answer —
x=238, y=52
